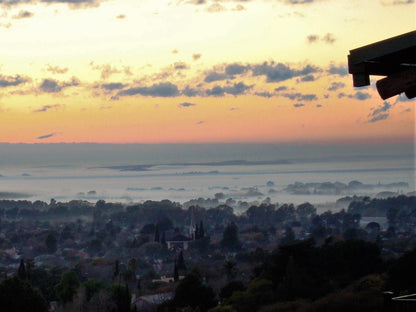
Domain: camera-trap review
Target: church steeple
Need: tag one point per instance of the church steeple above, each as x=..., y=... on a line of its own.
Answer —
x=192, y=225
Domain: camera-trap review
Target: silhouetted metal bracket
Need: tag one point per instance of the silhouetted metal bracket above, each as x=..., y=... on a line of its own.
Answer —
x=394, y=58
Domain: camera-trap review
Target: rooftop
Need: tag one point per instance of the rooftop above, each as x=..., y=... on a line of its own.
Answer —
x=394, y=57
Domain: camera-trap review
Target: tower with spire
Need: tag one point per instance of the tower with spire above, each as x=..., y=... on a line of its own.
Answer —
x=192, y=226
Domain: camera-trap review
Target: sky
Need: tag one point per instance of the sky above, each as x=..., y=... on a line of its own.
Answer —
x=196, y=71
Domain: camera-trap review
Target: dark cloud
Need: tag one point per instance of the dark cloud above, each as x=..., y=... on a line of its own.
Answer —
x=46, y=108
x=112, y=86
x=336, y=85
x=163, y=89
x=312, y=38
x=403, y=98
x=197, y=2
x=300, y=97
x=318, y=105
x=264, y=94
x=237, y=88
x=235, y=69
x=281, y=88
x=56, y=69
x=11, y=81
x=23, y=14
x=379, y=117
x=274, y=72
x=49, y=85
x=309, y=97
x=397, y=2
x=307, y=78
x=190, y=92
x=53, y=86
x=298, y=105
x=230, y=71
x=280, y=72
x=74, y=4
x=381, y=109
x=215, y=76
x=329, y=38
x=340, y=70
x=200, y=122
x=186, y=104
x=46, y=136
x=196, y=56
x=180, y=65
x=362, y=96
x=380, y=113
x=215, y=91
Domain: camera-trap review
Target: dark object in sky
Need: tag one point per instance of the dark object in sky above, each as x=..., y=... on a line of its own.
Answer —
x=394, y=58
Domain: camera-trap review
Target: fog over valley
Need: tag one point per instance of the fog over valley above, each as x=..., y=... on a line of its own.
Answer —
x=240, y=173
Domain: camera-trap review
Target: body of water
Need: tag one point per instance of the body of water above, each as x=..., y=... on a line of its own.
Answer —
x=251, y=182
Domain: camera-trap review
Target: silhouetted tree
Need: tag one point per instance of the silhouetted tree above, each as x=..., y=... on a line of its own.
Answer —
x=259, y=292
x=67, y=287
x=175, y=273
x=92, y=287
x=230, y=238
x=201, y=230
x=193, y=292
x=230, y=268
x=30, y=265
x=163, y=239
x=148, y=229
x=196, y=234
x=116, y=271
x=51, y=243
x=181, y=262
x=402, y=274
x=66, y=233
x=120, y=295
x=165, y=224
x=157, y=234
x=289, y=236
x=21, y=272
x=17, y=295
x=133, y=264
x=230, y=288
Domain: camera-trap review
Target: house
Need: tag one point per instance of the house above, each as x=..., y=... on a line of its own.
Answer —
x=178, y=242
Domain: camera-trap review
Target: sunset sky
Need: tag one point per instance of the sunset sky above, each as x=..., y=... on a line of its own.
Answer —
x=197, y=71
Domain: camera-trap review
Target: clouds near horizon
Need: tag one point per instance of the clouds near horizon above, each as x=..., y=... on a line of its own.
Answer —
x=380, y=113
x=49, y=85
x=47, y=136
